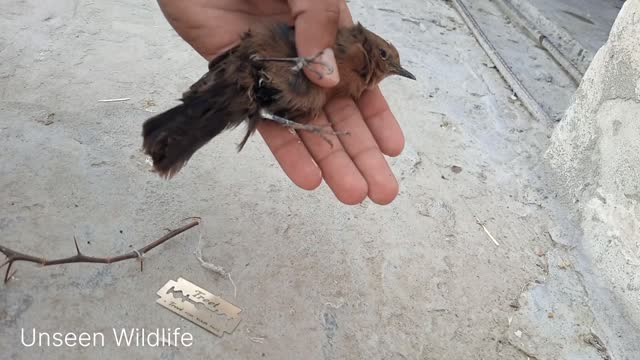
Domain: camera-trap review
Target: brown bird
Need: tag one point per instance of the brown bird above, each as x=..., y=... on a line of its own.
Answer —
x=261, y=79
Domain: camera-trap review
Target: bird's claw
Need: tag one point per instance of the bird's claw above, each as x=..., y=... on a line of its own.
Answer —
x=300, y=63
x=303, y=62
x=322, y=130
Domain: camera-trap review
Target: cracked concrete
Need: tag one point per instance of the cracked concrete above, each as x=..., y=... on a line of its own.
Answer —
x=577, y=27
x=547, y=82
x=416, y=279
x=595, y=154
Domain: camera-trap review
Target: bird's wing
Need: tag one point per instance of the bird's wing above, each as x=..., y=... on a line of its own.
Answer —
x=216, y=69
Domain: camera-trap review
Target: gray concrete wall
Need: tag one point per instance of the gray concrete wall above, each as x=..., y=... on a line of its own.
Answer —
x=595, y=152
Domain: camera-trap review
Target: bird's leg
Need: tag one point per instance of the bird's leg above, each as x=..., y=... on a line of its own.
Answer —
x=301, y=62
x=323, y=131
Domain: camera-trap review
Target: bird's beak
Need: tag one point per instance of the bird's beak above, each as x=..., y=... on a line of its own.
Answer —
x=404, y=73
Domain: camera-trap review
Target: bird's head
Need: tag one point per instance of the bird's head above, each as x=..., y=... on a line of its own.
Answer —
x=384, y=57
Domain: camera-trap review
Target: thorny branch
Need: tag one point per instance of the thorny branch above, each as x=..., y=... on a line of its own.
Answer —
x=13, y=256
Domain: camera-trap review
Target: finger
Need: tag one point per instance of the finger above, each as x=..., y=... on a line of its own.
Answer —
x=196, y=23
x=345, y=14
x=363, y=149
x=292, y=155
x=381, y=122
x=316, y=23
x=338, y=170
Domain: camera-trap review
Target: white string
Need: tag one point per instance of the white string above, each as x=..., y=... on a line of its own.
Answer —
x=209, y=265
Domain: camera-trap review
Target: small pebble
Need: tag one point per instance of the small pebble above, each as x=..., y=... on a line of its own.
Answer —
x=456, y=169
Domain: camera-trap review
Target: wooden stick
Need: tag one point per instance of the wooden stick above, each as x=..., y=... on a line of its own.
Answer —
x=13, y=256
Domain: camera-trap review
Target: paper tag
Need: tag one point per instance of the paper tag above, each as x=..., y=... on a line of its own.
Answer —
x=199, y=306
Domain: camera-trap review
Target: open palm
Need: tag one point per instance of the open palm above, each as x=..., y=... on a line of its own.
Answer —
x=354, y=167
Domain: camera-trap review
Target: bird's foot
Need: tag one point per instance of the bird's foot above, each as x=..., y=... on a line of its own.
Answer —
x=322, y=131
x=302, y=62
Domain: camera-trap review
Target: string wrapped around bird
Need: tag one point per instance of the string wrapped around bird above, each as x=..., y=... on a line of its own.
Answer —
x=261, y=79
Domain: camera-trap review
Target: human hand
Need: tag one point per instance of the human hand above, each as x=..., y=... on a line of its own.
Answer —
x=354, y=167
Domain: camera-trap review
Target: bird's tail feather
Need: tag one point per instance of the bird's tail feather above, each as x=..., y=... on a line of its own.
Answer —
x=171, y=138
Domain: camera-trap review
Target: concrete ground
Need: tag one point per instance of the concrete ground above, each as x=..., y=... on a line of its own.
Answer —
x=418, y=279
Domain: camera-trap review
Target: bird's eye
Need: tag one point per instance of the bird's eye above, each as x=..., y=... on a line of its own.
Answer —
x=383, y=54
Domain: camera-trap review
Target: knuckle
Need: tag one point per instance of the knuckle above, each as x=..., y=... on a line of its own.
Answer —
x=332, y=12
x=325, y=12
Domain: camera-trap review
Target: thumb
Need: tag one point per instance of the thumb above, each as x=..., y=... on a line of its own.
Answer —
x=316, y=24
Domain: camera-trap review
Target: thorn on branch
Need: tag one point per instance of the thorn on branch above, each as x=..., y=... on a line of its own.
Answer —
x=10, y=275
x=141, y=258
x=14, y=256
x=75, y=241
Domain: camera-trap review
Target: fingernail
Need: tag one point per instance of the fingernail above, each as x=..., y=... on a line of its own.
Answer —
x=323, y=71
